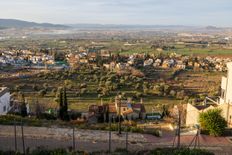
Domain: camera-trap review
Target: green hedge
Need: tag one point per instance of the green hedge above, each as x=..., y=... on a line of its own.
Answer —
x=11, y=119
x=159, y=151
x=182, y=151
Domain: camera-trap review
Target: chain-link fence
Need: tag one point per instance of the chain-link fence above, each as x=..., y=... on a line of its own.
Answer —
x=26, y=138
x=21, y=138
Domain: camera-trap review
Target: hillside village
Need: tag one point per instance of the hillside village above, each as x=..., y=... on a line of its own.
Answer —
x=26, y=58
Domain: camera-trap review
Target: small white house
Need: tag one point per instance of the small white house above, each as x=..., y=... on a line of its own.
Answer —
x=4, y=100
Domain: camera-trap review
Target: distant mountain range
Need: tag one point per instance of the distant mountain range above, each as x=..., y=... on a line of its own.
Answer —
x=145, y=27
x=124, y=26
x=14, y=23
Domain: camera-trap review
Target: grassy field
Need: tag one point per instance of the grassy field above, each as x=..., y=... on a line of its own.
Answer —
x=150, y=103
x=116, y=46
x=204, y=51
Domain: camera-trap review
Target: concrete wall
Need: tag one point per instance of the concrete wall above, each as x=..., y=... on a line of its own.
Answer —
x=223, y=90
x=192, y=115
x=227, y=113
x=229, y=84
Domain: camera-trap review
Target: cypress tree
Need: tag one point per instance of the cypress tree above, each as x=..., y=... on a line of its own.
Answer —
x=23, y=107
x=61, y=111
x=65, y=105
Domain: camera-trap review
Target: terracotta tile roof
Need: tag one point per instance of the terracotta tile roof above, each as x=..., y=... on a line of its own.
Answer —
x=138, y=107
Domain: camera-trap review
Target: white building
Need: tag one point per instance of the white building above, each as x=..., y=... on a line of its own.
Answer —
x=4, y=100
x=148, y=62
x=226, y=86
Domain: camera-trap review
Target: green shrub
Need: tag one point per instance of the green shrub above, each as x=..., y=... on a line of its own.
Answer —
x=213, y=122
x=136, y=129
x=182, y=151
x=153, y=132
x=42, y=151
x=47, y=116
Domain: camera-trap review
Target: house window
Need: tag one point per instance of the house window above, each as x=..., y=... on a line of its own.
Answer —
x=4, y=109
x=124, y=109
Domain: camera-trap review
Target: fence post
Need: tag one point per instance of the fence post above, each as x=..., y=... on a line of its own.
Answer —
x=127, y=138
x=74, y=144
x=179, y=125
x=15, y=136
x=24, y=152
x=109, y=136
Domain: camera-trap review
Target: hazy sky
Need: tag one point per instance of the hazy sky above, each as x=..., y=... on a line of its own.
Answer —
x=144, y=12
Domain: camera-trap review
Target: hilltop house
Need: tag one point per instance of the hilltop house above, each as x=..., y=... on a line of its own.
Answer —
x=4, y=100
x=127, y=110
x=130, y=111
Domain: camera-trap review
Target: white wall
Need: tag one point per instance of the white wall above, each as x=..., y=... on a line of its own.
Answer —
x=4, y=102
x=223, y=90
x=228, y=96
x=226, y=86
x=192, y=115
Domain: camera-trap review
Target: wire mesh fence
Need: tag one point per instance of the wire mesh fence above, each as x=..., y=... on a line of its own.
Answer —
x=24, y=138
